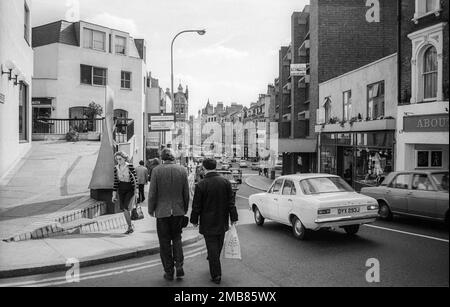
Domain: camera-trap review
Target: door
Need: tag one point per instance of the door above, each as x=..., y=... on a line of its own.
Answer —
x=422, y=197
x=41, y=113
x=286, y=202
x=272, y=200
x=397, y=193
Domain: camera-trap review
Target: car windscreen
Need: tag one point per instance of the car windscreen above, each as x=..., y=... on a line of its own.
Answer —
x=324, y=185
x=441, y=180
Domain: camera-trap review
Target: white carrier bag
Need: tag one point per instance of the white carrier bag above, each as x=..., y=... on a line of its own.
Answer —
x=232, y=248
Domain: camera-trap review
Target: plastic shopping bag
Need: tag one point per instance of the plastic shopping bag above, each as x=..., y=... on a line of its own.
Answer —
x=232, y=248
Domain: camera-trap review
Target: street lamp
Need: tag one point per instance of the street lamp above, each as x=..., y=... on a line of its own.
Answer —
x=199, y=32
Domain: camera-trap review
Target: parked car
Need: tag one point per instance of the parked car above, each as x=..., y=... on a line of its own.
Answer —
x=225, y=166
x=228, y=175
x=255, y=166
x=312, y=202
x=243, y=164
x=237, y=174
x=422, y=194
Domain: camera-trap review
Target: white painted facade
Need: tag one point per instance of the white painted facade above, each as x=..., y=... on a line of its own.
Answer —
x=57, y=76
x=357, y=81
x=14, y=47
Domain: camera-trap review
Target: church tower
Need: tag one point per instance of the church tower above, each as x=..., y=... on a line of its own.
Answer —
x=181, y=104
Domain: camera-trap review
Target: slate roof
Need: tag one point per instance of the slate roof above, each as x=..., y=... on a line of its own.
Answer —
x=61, y=31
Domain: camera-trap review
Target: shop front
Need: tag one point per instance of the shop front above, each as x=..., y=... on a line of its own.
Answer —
x=360, y=158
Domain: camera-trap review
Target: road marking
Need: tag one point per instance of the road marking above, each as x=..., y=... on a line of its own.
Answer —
x=408, y=233
x=242, y=197
x=100, y=273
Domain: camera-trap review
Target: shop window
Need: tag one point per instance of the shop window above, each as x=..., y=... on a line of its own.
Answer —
x=347, y=105
x=373, y=165
x=375, y=100
x=429, y=74
x=429, y=159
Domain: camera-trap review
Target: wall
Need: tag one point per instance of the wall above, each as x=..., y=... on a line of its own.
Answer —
x=357, y=81
x=14, y=47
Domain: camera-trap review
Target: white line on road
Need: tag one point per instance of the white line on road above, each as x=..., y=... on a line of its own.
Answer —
x=242, y=197
x=407, y=233
x=115, y=271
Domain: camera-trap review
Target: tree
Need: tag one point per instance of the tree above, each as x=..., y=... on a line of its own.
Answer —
x=93, y=110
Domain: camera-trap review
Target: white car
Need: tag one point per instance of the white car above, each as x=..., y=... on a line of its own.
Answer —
x=313, y=201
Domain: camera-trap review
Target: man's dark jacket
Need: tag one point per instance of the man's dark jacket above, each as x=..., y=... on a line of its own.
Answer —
x=169, y=191
x=214, y=204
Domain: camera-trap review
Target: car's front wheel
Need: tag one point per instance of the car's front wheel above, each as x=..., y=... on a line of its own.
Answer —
x=298, y=229
x=352, y=229
x=259, y=219
x=384, y=211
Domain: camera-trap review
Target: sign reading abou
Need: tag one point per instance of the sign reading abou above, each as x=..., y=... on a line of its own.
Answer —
x=161, y=122
x=298, y=70
x=426, y=123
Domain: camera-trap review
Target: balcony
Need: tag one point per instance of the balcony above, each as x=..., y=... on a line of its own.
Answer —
x=348, y=126
x=57, y=129
x=304, y=47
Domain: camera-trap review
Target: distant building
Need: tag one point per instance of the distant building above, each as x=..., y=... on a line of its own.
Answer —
x=181, y=104
x=16, y=61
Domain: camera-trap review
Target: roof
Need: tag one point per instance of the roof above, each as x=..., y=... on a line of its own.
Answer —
x=57, y=32
x=306, y=176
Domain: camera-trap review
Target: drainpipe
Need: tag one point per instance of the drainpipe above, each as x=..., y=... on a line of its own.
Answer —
x=399, y=51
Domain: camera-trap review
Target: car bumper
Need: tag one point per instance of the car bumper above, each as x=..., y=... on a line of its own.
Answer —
x=345, y=221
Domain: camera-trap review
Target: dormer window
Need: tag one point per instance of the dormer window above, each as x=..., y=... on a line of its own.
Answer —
x=120, y=45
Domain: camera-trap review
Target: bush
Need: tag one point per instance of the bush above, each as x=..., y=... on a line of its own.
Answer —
x=72, y=136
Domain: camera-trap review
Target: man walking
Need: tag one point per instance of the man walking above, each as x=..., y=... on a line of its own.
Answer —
x=168, y=201
x=214, y=204
x=142, y=178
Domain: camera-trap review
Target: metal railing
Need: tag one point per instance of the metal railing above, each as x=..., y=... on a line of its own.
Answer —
x=124, y=130
x=63, y=126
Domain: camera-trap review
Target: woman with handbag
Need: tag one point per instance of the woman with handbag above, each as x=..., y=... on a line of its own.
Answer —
x=125, y=186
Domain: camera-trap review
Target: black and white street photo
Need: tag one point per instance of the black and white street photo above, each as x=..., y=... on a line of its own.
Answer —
x=223, y=150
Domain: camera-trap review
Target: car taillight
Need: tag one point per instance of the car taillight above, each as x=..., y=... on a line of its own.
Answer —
x=324, y=211
x=372, y=207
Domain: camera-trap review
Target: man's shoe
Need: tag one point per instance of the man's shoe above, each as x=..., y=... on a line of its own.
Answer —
x=180, y=273
x=129, y=231
x=168, y=276
x=216, y=280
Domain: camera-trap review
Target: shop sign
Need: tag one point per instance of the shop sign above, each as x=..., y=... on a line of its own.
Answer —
x=426, y=123
x=298, y=70
x=161, y=122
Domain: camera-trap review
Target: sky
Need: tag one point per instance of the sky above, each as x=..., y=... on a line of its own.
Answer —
x=233, y=62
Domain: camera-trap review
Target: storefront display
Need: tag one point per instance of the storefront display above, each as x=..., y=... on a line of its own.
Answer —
x=361, y=158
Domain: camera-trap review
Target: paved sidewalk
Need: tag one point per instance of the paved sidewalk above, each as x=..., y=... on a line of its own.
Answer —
x=261, y=183
x=51, y=254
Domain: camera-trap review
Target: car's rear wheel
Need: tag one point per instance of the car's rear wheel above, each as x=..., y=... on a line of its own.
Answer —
x=259, y=219
x=384, y=211
x=298, y=229
x=352, y=229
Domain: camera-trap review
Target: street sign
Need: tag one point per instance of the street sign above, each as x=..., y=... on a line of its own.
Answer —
x=298, y=70
x=161, y=122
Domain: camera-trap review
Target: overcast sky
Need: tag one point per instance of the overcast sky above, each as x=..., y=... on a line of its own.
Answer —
x=233, y=62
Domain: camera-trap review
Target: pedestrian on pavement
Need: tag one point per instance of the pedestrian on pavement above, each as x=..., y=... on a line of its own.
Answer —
x=142, y=177
x=214, y=204
x=168, y=201
x=125, y=186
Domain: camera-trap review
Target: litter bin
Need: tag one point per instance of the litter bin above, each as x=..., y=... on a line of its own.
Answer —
x=272, y=174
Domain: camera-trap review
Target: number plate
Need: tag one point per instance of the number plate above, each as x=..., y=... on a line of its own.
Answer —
x=348, y=210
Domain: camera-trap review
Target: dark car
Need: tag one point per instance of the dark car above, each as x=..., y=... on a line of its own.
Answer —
x=422, y=194
x=228, y=175
x=237, y=175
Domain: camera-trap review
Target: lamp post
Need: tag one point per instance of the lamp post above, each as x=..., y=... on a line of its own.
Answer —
x=199, y=32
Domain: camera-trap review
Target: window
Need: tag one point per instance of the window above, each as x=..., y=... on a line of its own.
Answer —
x=26, y=23
x=289, y=188
x=93, y=75
x=94, y=39
x=327, y=107
x=422, y=182
x=429, y=158
x=400, y=182
x=375, y=100
x=125, y=80
x=430, y=72
x=324, y=185
x=441, y=180
x=23, y=112
x=77, y=112
x=120, y=45
x=431, y=6
x=276, y=187
x=347, y=105
x=425, y=8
